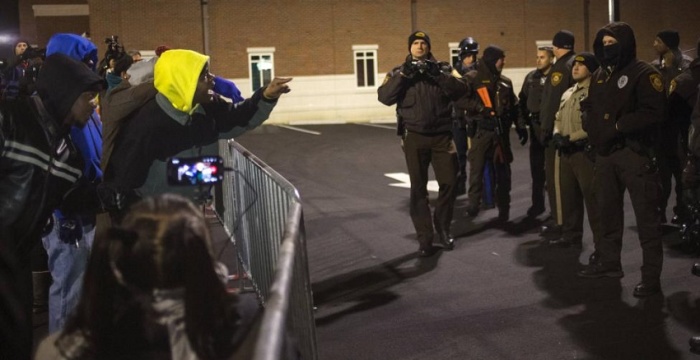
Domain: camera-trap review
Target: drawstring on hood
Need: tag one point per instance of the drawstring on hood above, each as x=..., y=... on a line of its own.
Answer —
x=618, y=56
x=176, y=75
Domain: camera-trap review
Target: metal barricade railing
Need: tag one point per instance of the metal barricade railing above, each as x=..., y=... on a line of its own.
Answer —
x=263, y=215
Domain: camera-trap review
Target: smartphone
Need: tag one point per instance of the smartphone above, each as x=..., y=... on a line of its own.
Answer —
x=193, y=171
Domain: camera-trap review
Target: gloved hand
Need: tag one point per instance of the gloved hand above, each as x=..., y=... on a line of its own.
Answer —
x=560, y=141
x=545, y=136
x=408, y=69
x=522, y=135
x=433, y=68
x=228, y=89
x=690, y=177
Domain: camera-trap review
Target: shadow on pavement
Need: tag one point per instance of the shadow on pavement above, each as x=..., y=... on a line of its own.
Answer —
x=600, y=322
x=368, y=288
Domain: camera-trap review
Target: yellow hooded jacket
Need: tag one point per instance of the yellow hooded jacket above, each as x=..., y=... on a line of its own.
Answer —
x=176, y=75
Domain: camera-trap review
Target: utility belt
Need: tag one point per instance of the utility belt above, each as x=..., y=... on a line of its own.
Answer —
x=576, y=146
x=488, y=123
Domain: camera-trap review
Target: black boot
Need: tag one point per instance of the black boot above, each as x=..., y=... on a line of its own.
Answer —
x=447, y=240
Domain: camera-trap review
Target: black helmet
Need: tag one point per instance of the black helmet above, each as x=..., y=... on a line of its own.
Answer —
x=468, y=46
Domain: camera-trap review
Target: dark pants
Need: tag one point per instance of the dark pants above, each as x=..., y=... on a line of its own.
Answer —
x=459, y=134
x=537, y=170
x=576, y=185
x=422, y=150
x=550, y=155
x=483, y=148
x=670, y=166
x=621, y=170
x=15, y=302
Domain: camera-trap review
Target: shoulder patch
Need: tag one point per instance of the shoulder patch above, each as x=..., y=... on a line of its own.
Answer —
x=556, y=78
x=656, y=82
x=672, y=86
x=386, y=78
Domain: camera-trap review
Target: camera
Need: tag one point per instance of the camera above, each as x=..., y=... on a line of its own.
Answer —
x=114, y=48
x=201, y=170
x=420, y=65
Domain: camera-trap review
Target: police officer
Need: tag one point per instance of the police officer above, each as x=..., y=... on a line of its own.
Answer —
x=422, y=90
x=670, y=63
x=494, y=108
x=576, y=167
x=558, y=80
x=530, y=98
x=625, y=103
x=468, y=50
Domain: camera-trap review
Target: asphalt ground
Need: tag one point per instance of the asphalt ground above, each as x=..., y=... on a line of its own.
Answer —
x=501, y=294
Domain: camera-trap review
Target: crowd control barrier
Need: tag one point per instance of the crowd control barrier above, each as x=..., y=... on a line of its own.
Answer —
x=263, y=216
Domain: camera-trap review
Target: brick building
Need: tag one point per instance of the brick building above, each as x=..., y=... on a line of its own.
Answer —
x=338, y=51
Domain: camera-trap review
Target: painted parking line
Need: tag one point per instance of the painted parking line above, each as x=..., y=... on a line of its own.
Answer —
x=299, y=129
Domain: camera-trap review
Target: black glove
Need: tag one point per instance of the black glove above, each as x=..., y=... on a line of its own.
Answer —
x=522, y=135
x=690, y=177
x=433, y=68
x=561, y=142
x=408, y=69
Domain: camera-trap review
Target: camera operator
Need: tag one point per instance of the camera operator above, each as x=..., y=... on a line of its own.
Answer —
x=184, y=109
x=9, y=87
x=114, y=51
x=422, y=90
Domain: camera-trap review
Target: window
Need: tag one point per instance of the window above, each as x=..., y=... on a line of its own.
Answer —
x=262, y=66
x=454, y=54
x=365, y=65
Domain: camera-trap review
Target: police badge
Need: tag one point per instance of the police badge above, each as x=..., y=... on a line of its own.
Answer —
x=556, y=78
x=656, y=82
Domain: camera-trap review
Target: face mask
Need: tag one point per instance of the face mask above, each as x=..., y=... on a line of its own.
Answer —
x=611, y=54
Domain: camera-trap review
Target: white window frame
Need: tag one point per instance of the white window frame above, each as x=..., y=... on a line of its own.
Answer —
x=262, y=52
x=364, y=49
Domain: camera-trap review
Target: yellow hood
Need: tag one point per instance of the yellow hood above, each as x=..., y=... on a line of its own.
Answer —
x=176, y=74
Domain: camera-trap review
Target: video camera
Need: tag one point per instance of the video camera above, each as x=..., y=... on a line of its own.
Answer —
x=194, y=171
x=420, y=65
x=114, y=48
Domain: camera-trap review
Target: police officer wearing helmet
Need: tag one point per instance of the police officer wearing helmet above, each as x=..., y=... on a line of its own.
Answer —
x=625, y=104
x=422, y=90
x=468, y=50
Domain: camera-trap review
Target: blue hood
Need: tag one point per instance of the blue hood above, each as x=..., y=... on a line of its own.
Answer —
x=75, y=46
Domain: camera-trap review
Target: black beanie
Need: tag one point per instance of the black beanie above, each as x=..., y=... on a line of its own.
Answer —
x=418, y=35
x=564, y=39
x=670, y=38
x=491, y=55
x=61, y=81
x=588, y=60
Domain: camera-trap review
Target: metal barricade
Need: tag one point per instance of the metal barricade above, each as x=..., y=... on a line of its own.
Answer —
x=263, y=216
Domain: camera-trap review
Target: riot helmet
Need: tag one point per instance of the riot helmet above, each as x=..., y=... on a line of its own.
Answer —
x=468, y=46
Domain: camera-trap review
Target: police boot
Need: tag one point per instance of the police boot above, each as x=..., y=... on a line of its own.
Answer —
x=41, y=281
x=461, y=188
x=696, y=269
x=472, y=209
x=446, y=239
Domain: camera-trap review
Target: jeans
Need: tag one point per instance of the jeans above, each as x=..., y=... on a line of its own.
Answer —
x=67, y=264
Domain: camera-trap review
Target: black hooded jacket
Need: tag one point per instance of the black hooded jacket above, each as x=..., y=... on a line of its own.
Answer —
x=39, y=163
x=626, y=100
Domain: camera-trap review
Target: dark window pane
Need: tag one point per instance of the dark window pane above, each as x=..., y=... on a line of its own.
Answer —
x=255, y=76
x=267, y=76
x=370, y=72
x=360, y=72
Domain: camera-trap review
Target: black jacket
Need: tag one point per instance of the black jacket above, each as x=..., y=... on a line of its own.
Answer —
x=558, y=81
x=39, y=163
x=629, y=95
x=423, y=101
x=501, y=94
x=530, y=97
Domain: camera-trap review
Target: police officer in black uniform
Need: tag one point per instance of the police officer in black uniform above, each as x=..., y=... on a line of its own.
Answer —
x=558, y=80
x=493, y=105
x=625, y=103
x=422, y=89
x=530, y=98
x=468, y=51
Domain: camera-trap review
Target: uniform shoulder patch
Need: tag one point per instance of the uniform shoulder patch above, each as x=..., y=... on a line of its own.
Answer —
x=656, y=82
x=672, y=86
x=556, y=77
x=386, y=78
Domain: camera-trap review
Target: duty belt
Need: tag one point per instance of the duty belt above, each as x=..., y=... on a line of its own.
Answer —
x=575, y=147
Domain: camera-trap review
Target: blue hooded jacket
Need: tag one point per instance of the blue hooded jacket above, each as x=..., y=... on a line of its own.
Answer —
x=88, y=139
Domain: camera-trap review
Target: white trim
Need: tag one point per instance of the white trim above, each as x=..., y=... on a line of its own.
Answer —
x=355, y=51
x=256, y=50
x=38, y=163
x=365, y=47
x=453, y=45
x=61, y=10
x=543, y=43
